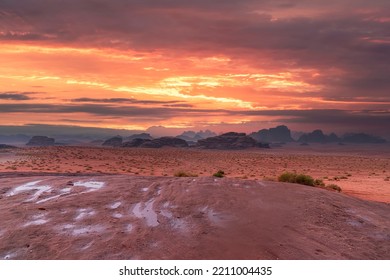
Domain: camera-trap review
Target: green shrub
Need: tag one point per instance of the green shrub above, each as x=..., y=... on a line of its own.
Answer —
x=296, y=178
x=219, y=174
x=287, y=177
x=184, y=174
x=319, y=183
x=334, y=187
x=305, y=180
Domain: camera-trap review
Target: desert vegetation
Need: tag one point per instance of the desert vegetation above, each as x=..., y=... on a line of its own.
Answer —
x=303, y=179
x=185, y=174
x=219, y=174
x=292, y=177
x=333, y=187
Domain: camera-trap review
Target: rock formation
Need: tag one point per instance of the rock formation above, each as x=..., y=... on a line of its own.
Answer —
x=165, y=142
x=362, y=138
x=195, y=136
x=113, y=142
x=41, y=141
x=277, y=134
x=4, y=146
x=317, y=136
x=139, y=136
x=137, y=142
x=229, y=141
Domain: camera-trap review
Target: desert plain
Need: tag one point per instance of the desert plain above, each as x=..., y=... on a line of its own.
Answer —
x=126, y=203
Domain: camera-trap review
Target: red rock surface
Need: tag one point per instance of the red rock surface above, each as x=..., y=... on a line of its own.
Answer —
x=132, y=217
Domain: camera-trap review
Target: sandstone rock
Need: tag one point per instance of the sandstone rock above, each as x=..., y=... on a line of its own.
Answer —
x=41, y=141
x=139, y=136
x=165, y=142
x=4, y=146
x=135, y=142
x=362, y=138
x=192, y=136
x=229, y=141
x=113, y=142
x=317, y=136
x=277, y=134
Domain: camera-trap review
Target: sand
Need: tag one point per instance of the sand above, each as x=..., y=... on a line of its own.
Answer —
x=112, y=203
x=360, y=170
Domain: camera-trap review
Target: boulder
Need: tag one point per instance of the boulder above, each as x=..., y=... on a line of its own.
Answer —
x=113, y=142
x=165, y=142
x=41, y=141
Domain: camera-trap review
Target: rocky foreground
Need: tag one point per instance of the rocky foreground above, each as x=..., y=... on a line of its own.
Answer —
x=130, y=217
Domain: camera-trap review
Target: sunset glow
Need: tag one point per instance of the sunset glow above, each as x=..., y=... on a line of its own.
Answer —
x=194, y=64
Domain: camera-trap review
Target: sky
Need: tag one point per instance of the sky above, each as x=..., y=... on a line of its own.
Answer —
x=223, y=65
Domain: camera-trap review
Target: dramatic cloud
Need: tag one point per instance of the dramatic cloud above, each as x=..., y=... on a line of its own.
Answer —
x=127, y=100
x=233, y=61
x=102, y=110
x=13, y=96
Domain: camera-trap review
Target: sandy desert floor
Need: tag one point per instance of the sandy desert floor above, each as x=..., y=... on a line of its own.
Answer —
x=360, y=170
x=116, y=203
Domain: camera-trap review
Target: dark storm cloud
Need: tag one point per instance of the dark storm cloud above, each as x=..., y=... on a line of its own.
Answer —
x=179, y=105
x=350, y=35
x=123, y=100
x=106, y=110
x=14, y=96
x=341, y=120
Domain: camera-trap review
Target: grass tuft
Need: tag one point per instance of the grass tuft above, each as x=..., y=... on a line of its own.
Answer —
x=219, y=174
x=185, y=174
x=334, y=187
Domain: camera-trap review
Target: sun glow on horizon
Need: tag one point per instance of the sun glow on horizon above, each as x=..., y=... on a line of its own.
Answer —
x=202, y=84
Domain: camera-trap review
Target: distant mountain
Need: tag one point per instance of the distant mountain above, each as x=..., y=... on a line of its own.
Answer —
x=362, y=138
x=41, y=141
x=4, y=146
x=277, y=134
x=195, y=136
x=17, y=139
x=165, y=142
x=317, y=136
x=229, y=141
x=21, y=134
x=115, y=141
x=139, y=136
x=137, y=142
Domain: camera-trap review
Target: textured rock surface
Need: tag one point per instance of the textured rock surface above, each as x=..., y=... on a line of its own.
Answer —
x=133, y=217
